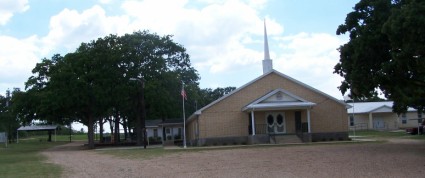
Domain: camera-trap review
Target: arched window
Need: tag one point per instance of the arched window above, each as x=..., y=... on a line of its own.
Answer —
x=270, y=120
x=279, y=119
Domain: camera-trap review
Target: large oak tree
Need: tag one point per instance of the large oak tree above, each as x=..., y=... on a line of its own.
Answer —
x=385, y=52
x=94, y=81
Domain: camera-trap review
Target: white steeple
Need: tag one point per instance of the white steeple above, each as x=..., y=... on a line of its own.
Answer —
x=267, y=62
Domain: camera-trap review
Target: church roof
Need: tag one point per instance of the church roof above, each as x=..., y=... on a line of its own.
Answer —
x=198, y=112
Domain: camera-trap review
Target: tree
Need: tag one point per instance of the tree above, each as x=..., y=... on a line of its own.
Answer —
x=385, y=52
x=3, y=113
x=8, y=120
x=94, y=81
x=208, y=95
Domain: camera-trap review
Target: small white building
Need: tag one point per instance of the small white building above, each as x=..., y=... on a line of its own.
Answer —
x=165, y=132
x=380, y=116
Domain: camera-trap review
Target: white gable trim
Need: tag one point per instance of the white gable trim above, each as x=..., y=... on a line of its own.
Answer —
x=278, y=106
x=257, y=104
x=382, y=109
x=275, y=92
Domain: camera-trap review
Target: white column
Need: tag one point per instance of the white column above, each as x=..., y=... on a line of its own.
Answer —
x=252, y=122
x=370, y=121
x=308, y=120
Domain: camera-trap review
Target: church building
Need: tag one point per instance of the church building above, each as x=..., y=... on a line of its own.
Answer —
x=273, y=108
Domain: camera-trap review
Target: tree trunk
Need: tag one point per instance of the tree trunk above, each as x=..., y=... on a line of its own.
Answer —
x=117, y=128
x=143, y=118
x=50, y=136
x=101, y=130
x=124, y=125
x=111, y=127
x=90, y=132
x=70, y=132
x=9, y=134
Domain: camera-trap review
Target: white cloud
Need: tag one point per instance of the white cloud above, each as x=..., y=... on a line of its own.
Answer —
x=222, y=37
x=310, y=58
x=214, y=35
x=17, y=61
x=9, y=7
x=69, y=28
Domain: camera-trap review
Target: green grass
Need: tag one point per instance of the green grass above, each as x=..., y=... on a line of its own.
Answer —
x=375, y=133
x=23, y=159
x=385, y=134
x=78, y=137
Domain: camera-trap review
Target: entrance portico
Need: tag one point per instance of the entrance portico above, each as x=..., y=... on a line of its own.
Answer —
x=279, y=112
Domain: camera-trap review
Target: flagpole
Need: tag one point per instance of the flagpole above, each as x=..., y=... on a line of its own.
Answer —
x=184, y=117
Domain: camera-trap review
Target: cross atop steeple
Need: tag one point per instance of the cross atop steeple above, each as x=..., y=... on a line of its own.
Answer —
x=267, y=62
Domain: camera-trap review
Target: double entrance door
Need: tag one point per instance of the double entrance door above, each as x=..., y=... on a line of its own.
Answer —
x=275, y=123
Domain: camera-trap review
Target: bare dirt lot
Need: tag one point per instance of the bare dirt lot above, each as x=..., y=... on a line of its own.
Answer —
x=395, y=158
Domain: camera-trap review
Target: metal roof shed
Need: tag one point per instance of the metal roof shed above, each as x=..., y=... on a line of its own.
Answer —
x=36, y=128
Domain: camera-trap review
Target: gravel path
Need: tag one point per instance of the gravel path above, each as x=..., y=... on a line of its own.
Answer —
x=396, y=158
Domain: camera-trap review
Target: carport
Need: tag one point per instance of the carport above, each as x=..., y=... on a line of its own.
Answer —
x=36, y=128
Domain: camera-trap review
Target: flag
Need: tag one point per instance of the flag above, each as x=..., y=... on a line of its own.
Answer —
x=183, y=93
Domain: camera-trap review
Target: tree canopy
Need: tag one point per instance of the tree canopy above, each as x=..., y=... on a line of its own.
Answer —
x=94, y=81
x=209, y=95
x=385, y=52
x=8, y=120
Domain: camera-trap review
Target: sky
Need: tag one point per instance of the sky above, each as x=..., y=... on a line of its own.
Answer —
x=224, y=38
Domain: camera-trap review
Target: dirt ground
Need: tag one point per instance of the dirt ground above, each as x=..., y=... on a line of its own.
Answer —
x=396, y=158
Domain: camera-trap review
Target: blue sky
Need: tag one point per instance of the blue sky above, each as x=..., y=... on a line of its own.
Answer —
x=223, y=38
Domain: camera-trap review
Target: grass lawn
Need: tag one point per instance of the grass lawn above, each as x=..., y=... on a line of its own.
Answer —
x=24, y=160
x=386, y=134
x=78, y=137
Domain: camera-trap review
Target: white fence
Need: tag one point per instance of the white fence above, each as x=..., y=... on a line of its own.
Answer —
x=3, y=138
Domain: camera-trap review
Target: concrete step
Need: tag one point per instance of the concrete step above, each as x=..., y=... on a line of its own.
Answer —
x=282, y=139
